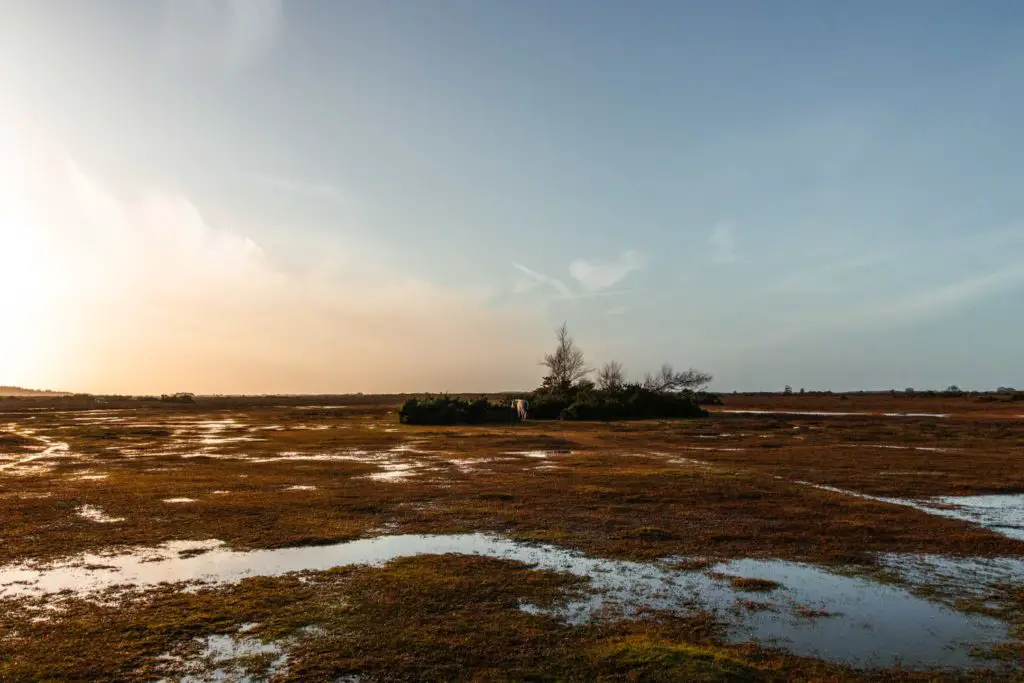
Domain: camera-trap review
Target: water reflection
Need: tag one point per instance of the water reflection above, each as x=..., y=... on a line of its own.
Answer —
x=870, y=624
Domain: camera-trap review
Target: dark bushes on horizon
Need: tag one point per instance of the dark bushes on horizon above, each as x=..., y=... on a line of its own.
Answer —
x=181, y=397
x=449, y=410
x=626, y=402
x=567, y=394
x=581, y=402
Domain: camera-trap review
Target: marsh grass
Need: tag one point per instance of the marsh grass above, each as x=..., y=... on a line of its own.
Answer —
x=637, y=490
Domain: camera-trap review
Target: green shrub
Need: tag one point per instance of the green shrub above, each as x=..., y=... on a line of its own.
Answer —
x=448, y=410
x=548, y=407
x=180, y=397
x=630, y=401
x=706, y=398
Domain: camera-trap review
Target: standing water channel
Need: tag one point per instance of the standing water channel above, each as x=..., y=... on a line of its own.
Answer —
x=860, y=623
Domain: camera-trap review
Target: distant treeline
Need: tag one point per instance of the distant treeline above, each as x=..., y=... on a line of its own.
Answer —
x=20, y=391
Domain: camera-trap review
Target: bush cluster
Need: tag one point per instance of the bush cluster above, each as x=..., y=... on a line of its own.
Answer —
x=450, y=410
x=627, y=402
x=181, y=397
x=567, y=394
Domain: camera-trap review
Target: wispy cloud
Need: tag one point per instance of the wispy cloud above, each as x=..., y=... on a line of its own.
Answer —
x=616, y=311
x=939, y=300
x=826, y=277
x=539, y=280
x=722, y=244
x=597, y=276
x=232, y=33
x=910, y=308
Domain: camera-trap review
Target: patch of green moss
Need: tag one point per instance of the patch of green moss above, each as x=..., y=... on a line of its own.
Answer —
x=648, y=658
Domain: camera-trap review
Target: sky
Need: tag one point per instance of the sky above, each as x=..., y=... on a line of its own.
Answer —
x=266, y=196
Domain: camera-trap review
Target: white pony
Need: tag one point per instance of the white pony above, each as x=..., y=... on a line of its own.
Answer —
x=520, y=405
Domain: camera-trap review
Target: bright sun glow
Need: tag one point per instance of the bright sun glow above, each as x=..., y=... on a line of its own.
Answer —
x=110, y=289
x=30, y=279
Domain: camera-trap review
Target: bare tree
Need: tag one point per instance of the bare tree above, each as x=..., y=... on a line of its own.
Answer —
x=669, y=380
x=566, y=365
x=611, y=376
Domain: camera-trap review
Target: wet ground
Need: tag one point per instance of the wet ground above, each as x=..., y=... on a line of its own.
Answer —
x=782, y=537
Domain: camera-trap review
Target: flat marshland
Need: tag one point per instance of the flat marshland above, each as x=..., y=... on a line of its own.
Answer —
x=871, y=537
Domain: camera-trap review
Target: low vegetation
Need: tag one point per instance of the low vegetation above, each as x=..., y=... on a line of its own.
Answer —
x=450, y=410
x=567, y=393
x=279, y=474
x=180, y=397
x=630, y=401
x=355, y=623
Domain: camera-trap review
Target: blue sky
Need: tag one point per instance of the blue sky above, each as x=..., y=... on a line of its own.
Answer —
x=816, y=194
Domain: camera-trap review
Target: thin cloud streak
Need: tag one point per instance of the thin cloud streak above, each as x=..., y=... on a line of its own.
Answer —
x=914, y=307
x=824, y=277
x=538, y=280
x=932, y=302
x=598, y=275
x=564, y=293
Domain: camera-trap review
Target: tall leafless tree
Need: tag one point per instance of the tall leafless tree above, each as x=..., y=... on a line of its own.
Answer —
x=669, y=380
x=566, y=365
x=612, y=376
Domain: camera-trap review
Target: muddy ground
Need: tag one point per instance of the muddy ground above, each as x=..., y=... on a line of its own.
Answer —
x=840, y=493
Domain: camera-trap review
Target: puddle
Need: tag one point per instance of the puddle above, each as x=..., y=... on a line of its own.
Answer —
x=316, y=407
x=1003, y=514
x=358, y=456
x=179, y=500
x=478, y=464
x=468, y=465
x=395, y=472
x=300, y=487
x=51, y=449
x=408, y=448
x=703, y=464
x=916, y=414
x=818, y=413
x=212, y=432
x=870, y=624
x=539, y=454
x=956, y=576
x=895, y=447
x=95, y=514
x=827, y=413
x=222, y=658
x=393, y=468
